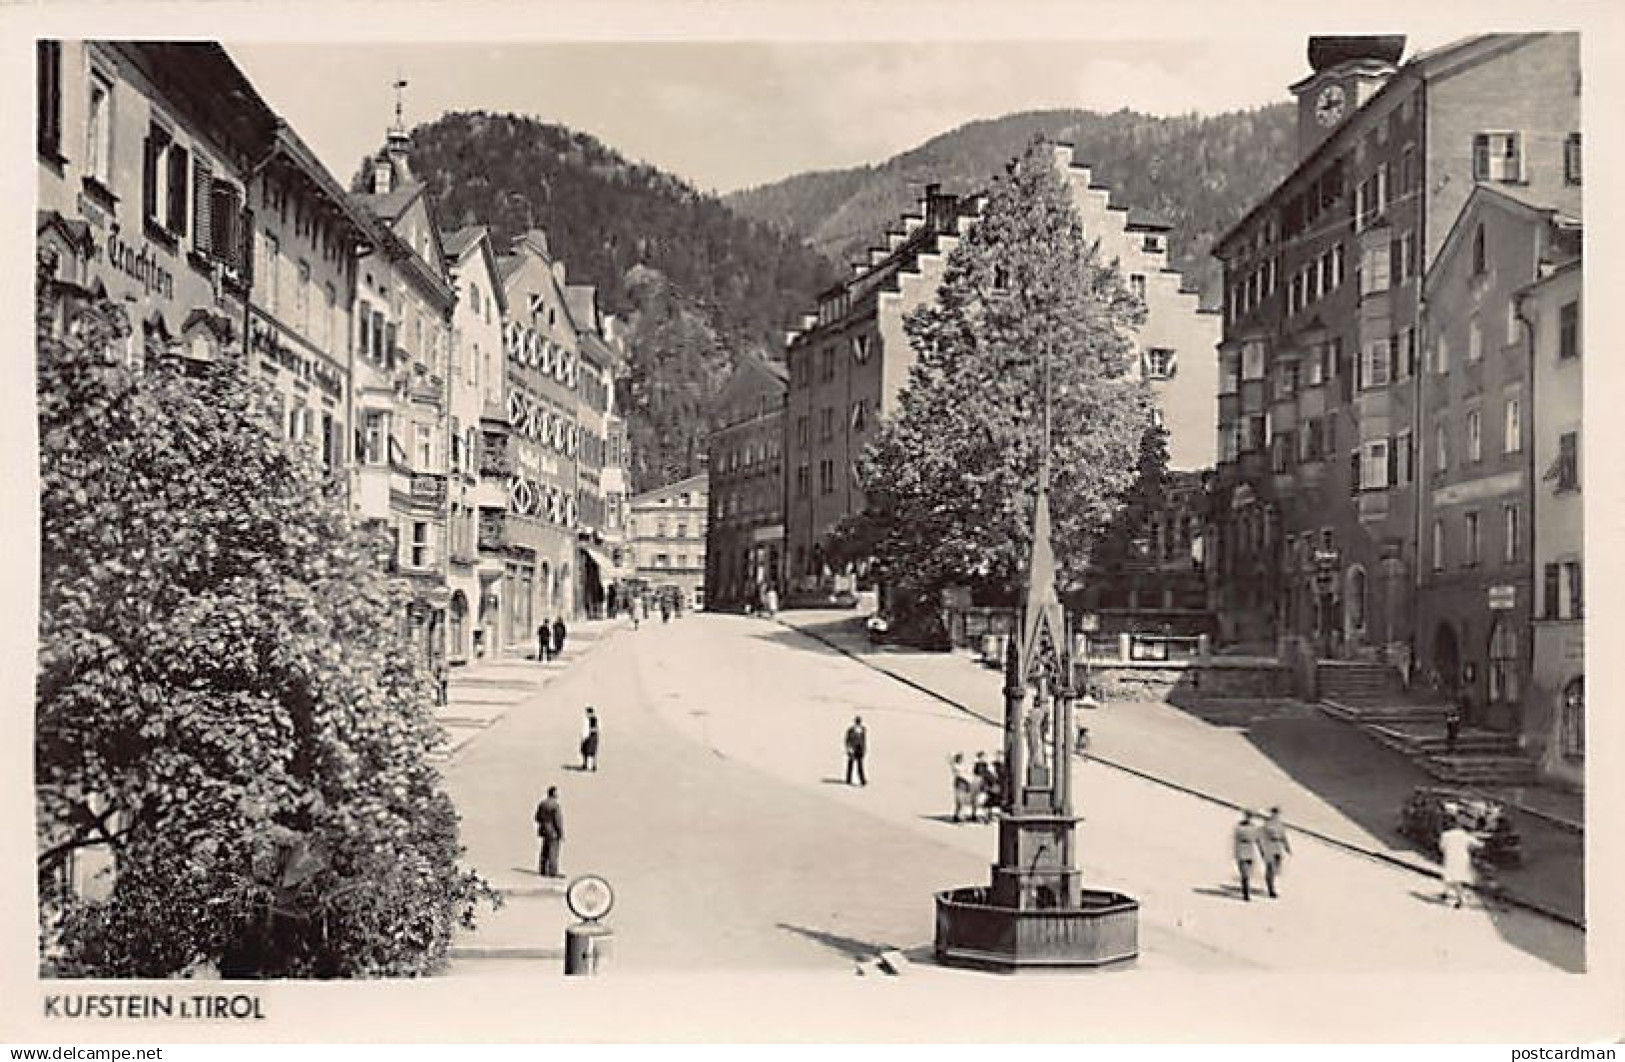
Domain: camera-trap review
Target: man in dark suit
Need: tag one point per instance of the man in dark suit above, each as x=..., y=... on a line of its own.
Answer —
x=558, y=636
x=550, y=828
x=544, y=641
x=857, y=746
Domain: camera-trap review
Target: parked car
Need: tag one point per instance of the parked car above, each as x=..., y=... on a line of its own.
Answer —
x=1431, y=809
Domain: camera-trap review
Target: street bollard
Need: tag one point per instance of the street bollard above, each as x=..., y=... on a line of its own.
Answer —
x=588, y=947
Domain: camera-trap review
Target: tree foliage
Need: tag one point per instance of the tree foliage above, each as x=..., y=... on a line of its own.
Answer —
x=950, y=481
x=226, y=698
x=1121, y=544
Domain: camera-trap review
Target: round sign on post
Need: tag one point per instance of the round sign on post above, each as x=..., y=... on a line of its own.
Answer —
x=587, y=943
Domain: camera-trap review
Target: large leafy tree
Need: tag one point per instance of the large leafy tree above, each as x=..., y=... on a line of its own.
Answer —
x=951, y=479
x=226, y=702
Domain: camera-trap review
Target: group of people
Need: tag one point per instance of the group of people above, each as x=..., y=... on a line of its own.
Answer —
x=550, y=813
x=1262, y=840
x=550, y=640
x=979, y=787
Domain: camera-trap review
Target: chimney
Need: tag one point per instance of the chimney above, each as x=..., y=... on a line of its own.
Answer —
x=940, y=209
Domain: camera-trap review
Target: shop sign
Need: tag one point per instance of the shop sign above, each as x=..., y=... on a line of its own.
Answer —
x=139, y=264
x=1503, y=598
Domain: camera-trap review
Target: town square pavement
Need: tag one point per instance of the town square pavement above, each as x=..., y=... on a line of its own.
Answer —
x=722, y=819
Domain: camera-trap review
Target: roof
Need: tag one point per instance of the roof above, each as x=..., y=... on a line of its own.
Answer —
x=1145, y=221
x=1426, y=65
x=458, y=242
x=582, y=301
x=1486, y=194
x=694, y=482
x=393, y=203
x=508, y=265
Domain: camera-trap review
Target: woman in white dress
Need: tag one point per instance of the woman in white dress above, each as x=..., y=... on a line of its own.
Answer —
x=1456, y=845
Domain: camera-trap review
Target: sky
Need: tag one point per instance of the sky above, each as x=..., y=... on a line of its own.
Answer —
x=726, y=115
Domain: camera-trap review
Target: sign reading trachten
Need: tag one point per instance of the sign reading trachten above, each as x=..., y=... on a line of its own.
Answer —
x=1503, y=598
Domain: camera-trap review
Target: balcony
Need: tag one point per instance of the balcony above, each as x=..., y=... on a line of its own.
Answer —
x=428, y=488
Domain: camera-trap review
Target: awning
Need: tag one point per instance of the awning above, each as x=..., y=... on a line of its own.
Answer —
x=598, y=557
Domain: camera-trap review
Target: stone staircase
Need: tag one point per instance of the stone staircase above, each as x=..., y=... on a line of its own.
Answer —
x=1412, y=722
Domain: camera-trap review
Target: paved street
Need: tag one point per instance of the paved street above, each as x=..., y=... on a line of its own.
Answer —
x=1327, y=776
x=720, y=816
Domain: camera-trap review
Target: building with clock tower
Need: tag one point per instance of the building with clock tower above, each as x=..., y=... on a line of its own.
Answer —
x=1330, y=420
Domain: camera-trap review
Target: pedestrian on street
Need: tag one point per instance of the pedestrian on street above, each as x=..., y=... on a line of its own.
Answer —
x=1456, y=846
x=1274, y=846
x=987, y=785
x=964, y=787
x=558, y=636
x=1244, y=843
x=589, y=741
x=544, y=641
x=857, y=746
x=1452, y=728
x=550, y=828
x=665, y=610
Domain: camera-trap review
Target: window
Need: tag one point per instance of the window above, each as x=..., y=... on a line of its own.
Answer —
x=48, y=70
x=166, y=169
x=860, y=348
x=1374, y=467
x=1470, y=520
x=1572, y=725
x=99, y=129
x=682, y=529
x=375, y=438
x=1514, y=425
x=1159, y=363
x=1568, y=330
x=1441, y=450
x=801, y=431
x=1567, y=470
x=1571, y=158
x=301, y=299
x=1405, y=456
x=1376, y=364
x=826, y=476
x=1407, y=362
x=802, y=481
x=1509, y=533
x=1286, y=382
x=1475, y=436
x=1257, y=427
x=1571, y=583
x=1438, y=545
x=1136, y=283
x=1552, y=590
x=422, y=448
x=1281, y=452
x=827, y=368
x=1481, y=261
x=1475, y=340
x=1497, y=157
x=1339, y=264
x=826, y=422
x=860, y=414
x=1441, y=354
x=1374, y=272
x=422, y=552
x=1252, y=360
x=270, y=256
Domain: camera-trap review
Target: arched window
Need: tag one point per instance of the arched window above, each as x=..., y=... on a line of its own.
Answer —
x=1356, y=610
x=1571, y=723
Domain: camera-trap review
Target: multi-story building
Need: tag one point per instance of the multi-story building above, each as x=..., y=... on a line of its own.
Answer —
x=477, y=391
x=1554, y=722
x=1315, y=525
x=539, y=440
x=846, y=367
x=404, y=304
x=744, y=542
x=1474, y=598
x=1174, y=345
x=666, y=532
x=617, y=490
x=602, y=361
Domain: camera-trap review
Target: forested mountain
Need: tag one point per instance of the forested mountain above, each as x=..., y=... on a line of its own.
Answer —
x=1198, y=173
x=698, y=282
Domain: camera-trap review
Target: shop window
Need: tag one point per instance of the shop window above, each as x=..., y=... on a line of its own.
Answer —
x=1572, y=726
x=1568, y=330
x=1571, y=158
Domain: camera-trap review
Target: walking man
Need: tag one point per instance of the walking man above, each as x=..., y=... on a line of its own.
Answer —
x=964, y=787
x=550, y=828
x=1452, y=728
x=544, y=641
x=589, y=741
x=987, y=785
x=558, y=636
x=857, y=746
x=1274, y=846
x=1244, y=842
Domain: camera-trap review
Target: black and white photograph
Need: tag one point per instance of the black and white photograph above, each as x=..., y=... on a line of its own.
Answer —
x=701, y=522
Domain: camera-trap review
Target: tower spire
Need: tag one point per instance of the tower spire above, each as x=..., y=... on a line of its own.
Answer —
x=400, y=104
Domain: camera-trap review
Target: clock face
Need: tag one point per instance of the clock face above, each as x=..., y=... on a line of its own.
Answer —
x=1329, y=105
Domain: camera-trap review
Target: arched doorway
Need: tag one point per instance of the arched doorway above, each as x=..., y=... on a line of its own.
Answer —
x=1502, y=688
x=1446, y=658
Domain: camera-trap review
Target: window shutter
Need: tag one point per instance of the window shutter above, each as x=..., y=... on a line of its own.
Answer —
x=49, y=57
x=1481, y=157
x=179, y=170
x=1393, y=358
x=149, y=175
x=1393, y=462
x=202, y=206
x=245, y=253
x=222, y=215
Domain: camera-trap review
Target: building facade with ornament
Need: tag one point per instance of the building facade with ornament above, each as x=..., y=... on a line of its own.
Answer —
x=538, y=441
x=1323, y=441
x=603, y=361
